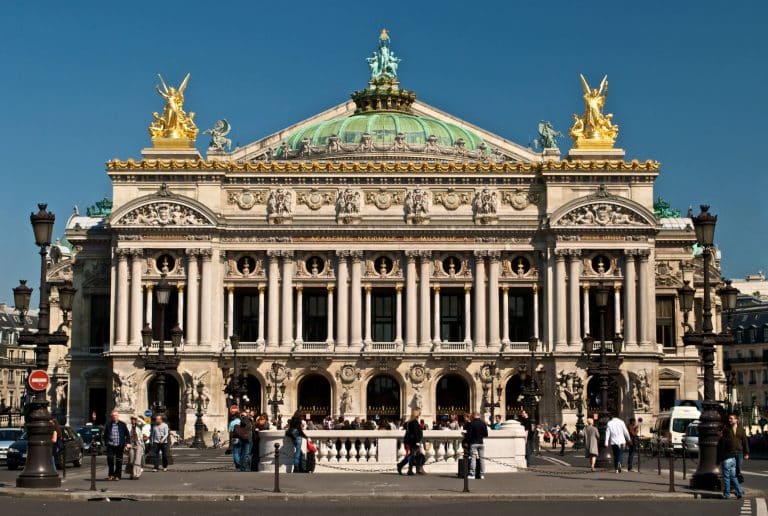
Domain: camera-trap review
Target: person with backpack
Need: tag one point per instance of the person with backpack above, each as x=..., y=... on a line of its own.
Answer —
x=411, y=442
x=562, y=438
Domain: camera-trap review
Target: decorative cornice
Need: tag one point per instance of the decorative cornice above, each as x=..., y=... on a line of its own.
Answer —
x=175, y=165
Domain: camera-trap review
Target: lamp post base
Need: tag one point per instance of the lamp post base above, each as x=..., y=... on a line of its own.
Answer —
x=706, y=480
x=604, y=458
x=39, y=472
x=199, y=441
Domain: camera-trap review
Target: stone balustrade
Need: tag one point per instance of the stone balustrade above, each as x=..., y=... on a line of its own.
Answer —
x=340, y=451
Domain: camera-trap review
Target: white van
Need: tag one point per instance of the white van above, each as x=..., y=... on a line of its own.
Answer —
x=670, y=426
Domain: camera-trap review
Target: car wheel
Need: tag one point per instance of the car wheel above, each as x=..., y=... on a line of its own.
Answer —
x=79, y=460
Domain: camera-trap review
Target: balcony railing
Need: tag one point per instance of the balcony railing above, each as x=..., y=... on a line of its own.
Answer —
x=453, y=347
x=384, y=347
x=314, y=347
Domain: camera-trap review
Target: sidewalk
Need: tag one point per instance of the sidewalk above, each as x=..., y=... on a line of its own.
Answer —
x=200, y=481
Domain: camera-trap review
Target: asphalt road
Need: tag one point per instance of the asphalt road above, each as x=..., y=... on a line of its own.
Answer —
x=375, y=508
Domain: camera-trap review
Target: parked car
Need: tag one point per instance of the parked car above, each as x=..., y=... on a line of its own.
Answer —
x=691, y=439
x=17, y=452
x=8, y=436
x=92, y=436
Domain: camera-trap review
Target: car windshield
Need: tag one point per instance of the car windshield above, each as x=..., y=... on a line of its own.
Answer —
x=693, y=430
x=681, y=424
x=9, y=435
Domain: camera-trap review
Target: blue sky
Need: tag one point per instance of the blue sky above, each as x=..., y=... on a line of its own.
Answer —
x=688, y=82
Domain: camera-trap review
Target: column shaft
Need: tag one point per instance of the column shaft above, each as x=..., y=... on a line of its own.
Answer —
x=574, y=314
x=273, y=324
x=231, y=312
x=286, y=323
x=480, y=320
x=356, y=301
x=616, y=309
x=399, y=313
x=468, y=314
x=505, y=315
x=180, y=305
x=342, y=312
x=436, y=315
x=368, y=314
x=123, y=309
x=561, y=309
x=148, y=304
x=630, y=300
x=643, y=306
x=261, y=315
x=193, y=291
x=411, y=331
x=206, y=298
x=585, y=303
x=299, y=314
x=535, y=332
x=493, y=298
x=137, y=301
x=329, y=311
x=424, y=299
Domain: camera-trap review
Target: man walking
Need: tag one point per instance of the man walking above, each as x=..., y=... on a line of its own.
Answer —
x=617, y=436
x=733, y=445
x=477, y=431
x=118, y=439
x=159, y=441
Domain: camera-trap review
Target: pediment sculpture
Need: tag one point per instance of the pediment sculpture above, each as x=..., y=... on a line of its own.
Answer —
x=600, y=214
x=163, y=213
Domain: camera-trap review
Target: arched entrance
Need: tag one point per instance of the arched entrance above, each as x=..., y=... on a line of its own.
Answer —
x=253, y=390
x=514, y=396
x=594, y=395
x=451, y=396
x=383, y=398
x=172, y=394
x=314, y=397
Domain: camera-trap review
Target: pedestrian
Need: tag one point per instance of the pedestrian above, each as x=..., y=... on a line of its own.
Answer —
x=159, y=441
x=118, y=440
x=216, y=438
x=411, y=440
x=732, y=446
x=634, y=442
x=525, y=421
x=591, y=436
x=57, y=443
x=296, y=433
x=617, y=436
x=136, y=451
x=562, y=438
x=234, y=441
x=477, y=431
x=244, y=435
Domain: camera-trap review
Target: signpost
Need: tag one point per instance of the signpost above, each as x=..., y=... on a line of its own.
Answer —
x=38, y=380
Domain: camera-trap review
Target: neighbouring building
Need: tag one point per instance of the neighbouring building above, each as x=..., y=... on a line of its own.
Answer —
x=378, y=257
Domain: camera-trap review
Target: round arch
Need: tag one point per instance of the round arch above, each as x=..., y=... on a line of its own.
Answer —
x=172, y=398
x=383, y=397
x=452, y=395
x=513, y=395
x=314, y=396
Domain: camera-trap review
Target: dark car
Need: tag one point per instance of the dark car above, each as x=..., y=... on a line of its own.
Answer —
x=8, y=436
x=92, y=436
x=17, y=452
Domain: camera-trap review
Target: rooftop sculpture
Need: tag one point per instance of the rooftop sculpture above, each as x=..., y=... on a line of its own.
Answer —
x=594, y=130
x=174, y=128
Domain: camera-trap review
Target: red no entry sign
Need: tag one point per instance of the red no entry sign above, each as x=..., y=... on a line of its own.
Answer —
x=38, y=380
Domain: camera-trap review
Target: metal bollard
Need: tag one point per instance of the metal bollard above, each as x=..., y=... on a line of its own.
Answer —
x=466, y=470
x=639, y=452
x=684, y=468
x=277, y=468
x=64, y=462
x=93, y=466
x=658, y=457
x=672, y=471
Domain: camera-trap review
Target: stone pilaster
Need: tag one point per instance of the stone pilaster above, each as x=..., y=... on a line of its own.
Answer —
x=193, y=298
x=574, y=301
x=480, y=298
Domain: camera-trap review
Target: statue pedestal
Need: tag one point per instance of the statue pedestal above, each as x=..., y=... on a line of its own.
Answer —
x=590, y=154
x=551, y=154
x=167, y=153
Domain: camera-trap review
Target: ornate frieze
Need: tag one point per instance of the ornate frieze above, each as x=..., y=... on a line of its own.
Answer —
x=520, y=198
x=485, y=205
x=315, y=199
x=348, y=204
x=452, y=199
x=384, y=198
x=600, y=214
x=163, y=213
x=246, y=198
x=280, y=206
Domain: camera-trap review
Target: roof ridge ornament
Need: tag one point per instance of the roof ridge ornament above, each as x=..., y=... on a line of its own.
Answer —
x=383, y=92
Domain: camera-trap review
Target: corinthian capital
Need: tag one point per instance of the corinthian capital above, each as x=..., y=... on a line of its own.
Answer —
x=356, y=255
x=192, y=253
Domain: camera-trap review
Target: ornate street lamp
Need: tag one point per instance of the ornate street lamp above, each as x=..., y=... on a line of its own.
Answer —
x=707, y=475
x=578, y=387
x=161, y=363
x=275, y=393
x=38, y=470
x=490, y=387
x=603, y=369
x=199, y=441
x=236, y=388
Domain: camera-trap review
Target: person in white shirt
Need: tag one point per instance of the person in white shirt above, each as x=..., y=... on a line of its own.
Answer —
x=617, y=436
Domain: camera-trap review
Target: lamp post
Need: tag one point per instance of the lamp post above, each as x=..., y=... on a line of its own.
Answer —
x=531, y=384
x=275, y=393
x=236, y=388
x=489, y=386
x=603, y=369
x=578, y=387
x=730, y=380
x=161, y=363
x=199, y=441
x=707, y=473
x=38, y=470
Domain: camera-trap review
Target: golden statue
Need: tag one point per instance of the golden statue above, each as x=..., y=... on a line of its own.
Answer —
x=594, y=130
x=174, y=128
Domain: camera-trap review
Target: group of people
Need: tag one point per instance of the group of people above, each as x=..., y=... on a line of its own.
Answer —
x=137, y=439
x=244, y=428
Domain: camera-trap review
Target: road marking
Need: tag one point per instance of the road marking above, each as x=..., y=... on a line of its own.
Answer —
x=746, y=508
x=556, y=461
x=761, y=509
x=754, y=473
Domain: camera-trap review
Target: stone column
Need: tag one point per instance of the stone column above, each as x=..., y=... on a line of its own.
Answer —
x=368, y=314
x=436, y=316
x=356, y=300
x=273, y=326
x=260, y=339
x=206, y=298
x=137, y=301
x=399, y=313
x=425, y=316
x=148, y=304
x=342, y=312
x=630, y=298
x=468, y=314
x=193, y=298
x=123, y=309
x=535, y=311
x=480, y=320
x=180, y=305
x=493, y=299
x=299, y=315
x=411, y=331
x=230, y=311
x=561, y=309
x=574, y=272
x=329, y=311
x=505, y=315
x=643, y=307
x=586, y=309
x=616, y=309
x=287, y=300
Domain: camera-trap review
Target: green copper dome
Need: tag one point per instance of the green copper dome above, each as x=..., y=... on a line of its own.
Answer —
x=383, y=128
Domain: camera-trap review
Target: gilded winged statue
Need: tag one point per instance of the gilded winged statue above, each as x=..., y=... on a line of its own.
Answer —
x=174, y=123
x=594, y=129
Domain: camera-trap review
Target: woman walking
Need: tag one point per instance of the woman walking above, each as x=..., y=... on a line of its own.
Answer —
x=411, y=441
x=136, y=453
x=590, y=443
